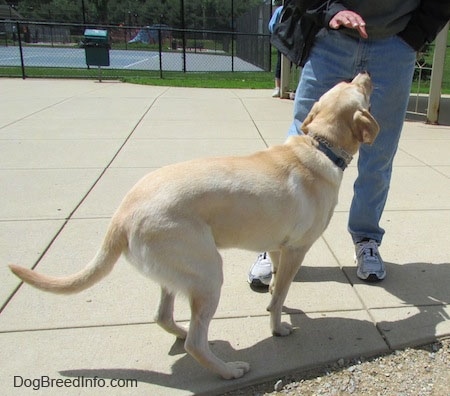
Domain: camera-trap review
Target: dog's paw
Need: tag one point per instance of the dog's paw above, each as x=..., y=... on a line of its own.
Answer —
x=181, y=332
x=236, y=370
x=284, y=329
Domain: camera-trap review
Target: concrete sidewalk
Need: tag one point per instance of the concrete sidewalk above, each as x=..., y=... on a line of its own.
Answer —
x=70, y=150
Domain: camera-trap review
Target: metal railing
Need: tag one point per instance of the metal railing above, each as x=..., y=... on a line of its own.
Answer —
x=27, y=48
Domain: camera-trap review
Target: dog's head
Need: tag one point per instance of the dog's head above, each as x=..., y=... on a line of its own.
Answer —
x=342, y=115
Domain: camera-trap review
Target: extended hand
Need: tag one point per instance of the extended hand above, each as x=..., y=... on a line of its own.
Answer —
x=351, y=20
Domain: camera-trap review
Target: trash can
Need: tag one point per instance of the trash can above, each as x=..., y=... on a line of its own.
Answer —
x=96, y=46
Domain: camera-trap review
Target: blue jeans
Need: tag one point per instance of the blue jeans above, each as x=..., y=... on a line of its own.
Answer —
x=336, y=57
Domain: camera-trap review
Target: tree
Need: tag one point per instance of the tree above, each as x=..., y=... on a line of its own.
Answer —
x=199, y=14
x=101, y=7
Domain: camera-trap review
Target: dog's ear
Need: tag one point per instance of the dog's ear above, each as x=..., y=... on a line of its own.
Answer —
x=309, y=118
x=366, y=127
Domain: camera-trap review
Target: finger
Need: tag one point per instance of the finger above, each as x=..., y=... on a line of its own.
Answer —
x=343, y=20
x=351, y=21
x=360, y=26
x=362, y=31
x=337, y=22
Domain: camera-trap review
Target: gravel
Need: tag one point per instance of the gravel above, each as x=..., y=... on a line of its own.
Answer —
x=419, y=371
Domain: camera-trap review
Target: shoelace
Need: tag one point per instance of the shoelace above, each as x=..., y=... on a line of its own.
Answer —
x=370, y=252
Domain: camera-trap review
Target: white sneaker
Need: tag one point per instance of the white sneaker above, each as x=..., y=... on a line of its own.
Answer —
x=370, y=266
x=260, y=273
x=276, y=93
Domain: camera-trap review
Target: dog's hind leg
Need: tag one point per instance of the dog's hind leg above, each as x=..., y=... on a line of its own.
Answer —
x=203, y=306
x=289, y=263
x=164, y=316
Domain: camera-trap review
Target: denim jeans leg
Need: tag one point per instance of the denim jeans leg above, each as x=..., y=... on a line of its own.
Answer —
x=336, y=57
x=391, y=65
x=326, y=66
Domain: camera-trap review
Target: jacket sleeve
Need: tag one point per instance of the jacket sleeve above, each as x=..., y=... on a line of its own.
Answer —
x=321, y=12
x=333, y=8
x=426, y=22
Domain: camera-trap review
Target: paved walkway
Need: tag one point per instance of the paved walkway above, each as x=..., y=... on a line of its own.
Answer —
x=69, y=151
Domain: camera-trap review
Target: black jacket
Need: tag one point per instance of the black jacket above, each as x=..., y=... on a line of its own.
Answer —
x=301, y=20
x=425, y=23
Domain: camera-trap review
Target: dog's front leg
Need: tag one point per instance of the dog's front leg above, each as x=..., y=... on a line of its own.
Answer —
x=288, y=265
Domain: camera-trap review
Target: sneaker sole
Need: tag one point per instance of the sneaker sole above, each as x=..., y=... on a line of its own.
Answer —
x=372, y=278
x=257, y=285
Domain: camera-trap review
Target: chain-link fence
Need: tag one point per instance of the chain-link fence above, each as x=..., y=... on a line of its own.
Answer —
x=49, y=49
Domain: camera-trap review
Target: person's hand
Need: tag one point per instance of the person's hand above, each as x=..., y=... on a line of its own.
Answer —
x=351, y=20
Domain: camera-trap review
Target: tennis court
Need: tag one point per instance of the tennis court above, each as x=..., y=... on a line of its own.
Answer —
x=71, y=57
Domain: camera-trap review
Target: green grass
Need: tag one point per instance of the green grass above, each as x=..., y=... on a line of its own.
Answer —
x=50, y=72
x=248, y=80
x=245, y=80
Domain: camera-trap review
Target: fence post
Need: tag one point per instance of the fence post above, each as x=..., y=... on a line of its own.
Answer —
x=183, y=27
x=232, y=35
x=437, y=73
x=160, y=52
x=285, y=77
x=19, y=38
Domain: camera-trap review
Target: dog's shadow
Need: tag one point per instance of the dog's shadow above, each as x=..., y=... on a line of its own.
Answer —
x=421, y=287
x=310, y=343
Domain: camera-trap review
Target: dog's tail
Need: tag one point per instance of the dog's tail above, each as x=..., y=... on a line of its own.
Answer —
x=102, y=264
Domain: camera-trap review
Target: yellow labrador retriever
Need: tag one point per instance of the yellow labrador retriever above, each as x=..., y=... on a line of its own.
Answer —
x=172, y=222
